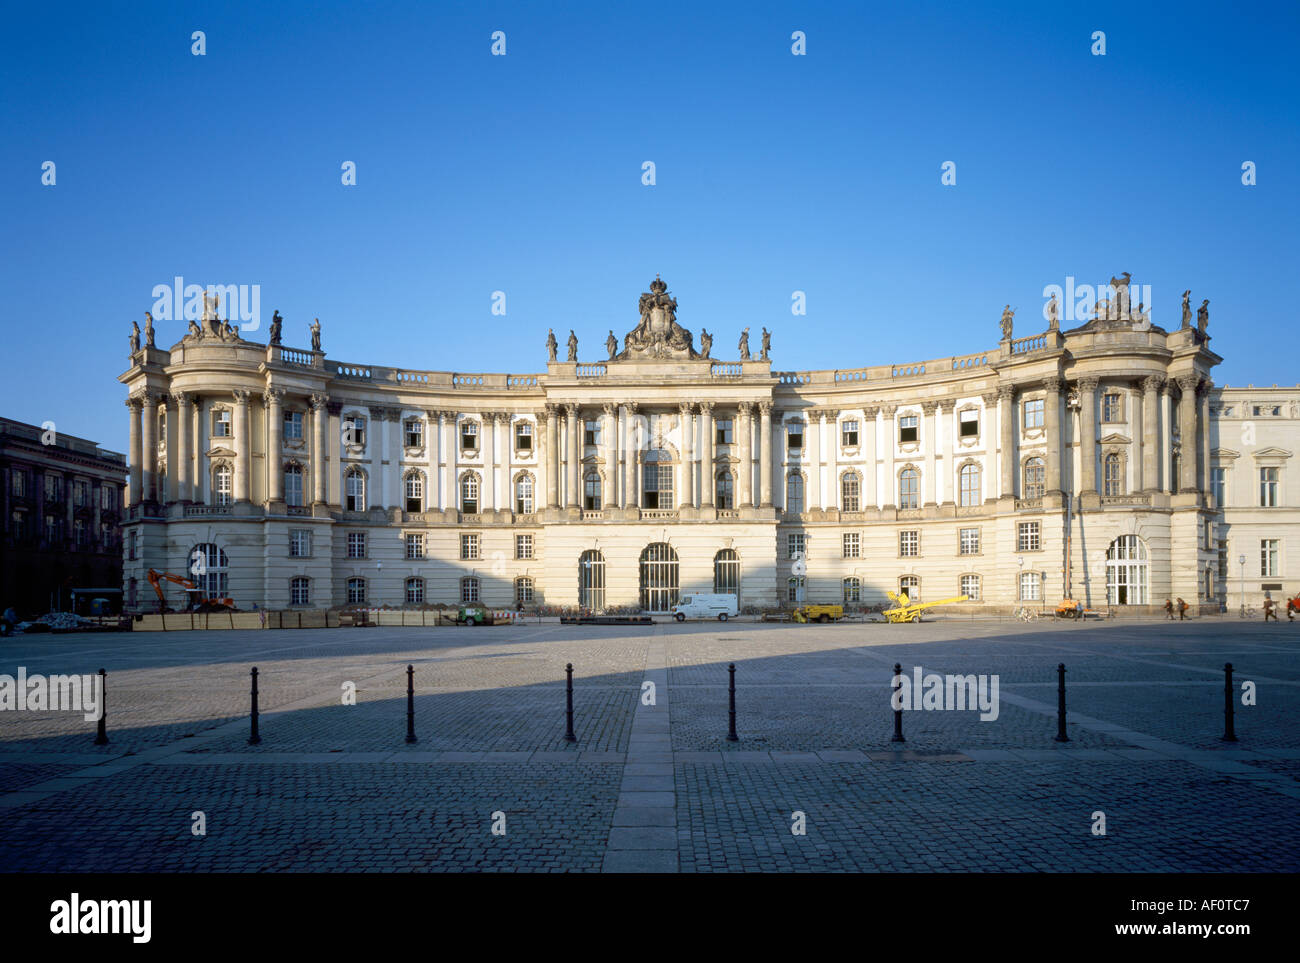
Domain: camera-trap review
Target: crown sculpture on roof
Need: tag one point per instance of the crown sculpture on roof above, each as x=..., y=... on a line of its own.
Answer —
x=658, y=336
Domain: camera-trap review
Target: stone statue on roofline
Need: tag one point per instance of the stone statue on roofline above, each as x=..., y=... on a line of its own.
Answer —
x=611, y=345
x=552, y=346
x=315, y=334
x=1008, y=322
x=1203, y=316
x=1053, y=314
x=766, y=345
x=276, y=322
x=1187, y=308
x=148, y=330
x=135, y=338
x=706, y=343
x=744, y=345
x=573, y=346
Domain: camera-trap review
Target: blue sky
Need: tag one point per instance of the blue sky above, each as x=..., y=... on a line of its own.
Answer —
x=522, y=174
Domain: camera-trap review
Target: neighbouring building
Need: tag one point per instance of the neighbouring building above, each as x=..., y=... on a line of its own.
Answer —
x=1094, y=462
x=62, y=501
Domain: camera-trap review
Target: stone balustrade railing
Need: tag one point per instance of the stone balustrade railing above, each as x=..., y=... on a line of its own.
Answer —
x=726, y=369
x=590, y=371
x=907, y=370
x=1025, y=345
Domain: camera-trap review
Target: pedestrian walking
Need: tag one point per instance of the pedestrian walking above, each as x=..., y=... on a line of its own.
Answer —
x=1169, y=609
x=1270, y=610
x=1182, y=610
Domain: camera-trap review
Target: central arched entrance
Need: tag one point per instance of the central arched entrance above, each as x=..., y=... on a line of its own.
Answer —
x=659, y=584
x=591, y=581
x=1126, y=571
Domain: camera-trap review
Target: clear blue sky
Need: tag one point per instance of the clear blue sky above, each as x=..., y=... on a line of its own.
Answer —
x=522, y=173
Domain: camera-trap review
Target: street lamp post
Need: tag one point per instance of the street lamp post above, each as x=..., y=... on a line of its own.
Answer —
x=1241, y=560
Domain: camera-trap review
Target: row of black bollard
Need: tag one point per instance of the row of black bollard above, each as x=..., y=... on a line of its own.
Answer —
x=569, y=735
x=101, y=730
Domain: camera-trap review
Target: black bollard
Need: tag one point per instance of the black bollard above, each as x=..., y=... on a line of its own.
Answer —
x=101, y=730
x=1060, y=704
x=253, y=738
x=898, y=713
x=410, y=703
x=568, y=712
x=1229, y=734
x=731, y=700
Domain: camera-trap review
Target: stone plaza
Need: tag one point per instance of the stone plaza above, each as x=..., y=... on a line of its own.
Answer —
x=653, y=784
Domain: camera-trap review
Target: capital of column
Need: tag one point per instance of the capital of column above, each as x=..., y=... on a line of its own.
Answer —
x=1087, y=383
x=765, y=408
x=241, y=395
x=946, y=405
x=990, y=399
x=686, y=409
x=610, y=409
x=706, y=407
x=1053, y=385
x=133, y=402
x=744, y=408
x=929, y=407
x=632, y=408
x=1152, y=383
x=319, y=401
x=1205, y=387
x=571, y=410
x=180, y=399
x=871, y=411
x=148, y=399
x=273, y=396
x=889, y=411
x=1006, y=392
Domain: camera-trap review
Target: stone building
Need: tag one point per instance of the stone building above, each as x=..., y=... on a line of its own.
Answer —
x=61, y=499
x=299, y=480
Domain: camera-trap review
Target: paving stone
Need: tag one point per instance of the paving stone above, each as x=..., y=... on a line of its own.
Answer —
x=640, y=861
x=643, y=837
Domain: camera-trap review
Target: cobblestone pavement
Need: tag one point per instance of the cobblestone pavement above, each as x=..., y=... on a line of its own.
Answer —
x=653, y=784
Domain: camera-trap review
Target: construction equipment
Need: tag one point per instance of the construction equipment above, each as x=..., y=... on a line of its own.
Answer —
x=196, y=602
x=905, y=610
x=1069, y=609
x=818, y=613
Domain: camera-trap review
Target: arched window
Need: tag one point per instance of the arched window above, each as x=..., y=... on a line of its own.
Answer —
x=658, y=475
x=469, y=589
x=658, y=577
x=414, y=591
x=726, y=573
x=724, y=496
x=524, y=590
x=299, y=590
x=968, y=486
x=591, y=581
x=356, y=591
x=794, y=589
x=911, y=586
x=293, y=484
x=1034, y=478
x=794, y=493
x=1126, y=571
x=853, y=589
x=209, y=568
x=469, y=494
x=221, y=476
x=413, y=490
x=909, y=488
x=591, y=491
x=851, y=492
x=354, y=490
x=524, y=495
x=1111, y=476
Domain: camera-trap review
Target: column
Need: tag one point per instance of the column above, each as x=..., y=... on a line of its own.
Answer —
x=1052, y=423
x=945, y=481
x=1088, y=435
x=318, y=403
x=447, y=458
x=930, y=441
x=745, y=471
x=169, y=451
x=133, y=405
x=869, y=496
x=707, y=482
x=1203, y=434
x=687, y=413
x=812, y=445
x=1006, y=433
x=243, y=449
x=378, y=449
x=633, y=499
x=549, y=419
x=149, y=443
x=575, y=456
x=332, y=459
x=609, y=434
x=1187, y=445
x=1168, y=483
x=765, y=453
x=202, y=474
x=832, y=459
x=274, y=398
x=1151, y=441
x=488, y=490
x=184, y=424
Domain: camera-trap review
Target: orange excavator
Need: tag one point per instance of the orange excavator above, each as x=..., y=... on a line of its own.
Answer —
x=196, y=601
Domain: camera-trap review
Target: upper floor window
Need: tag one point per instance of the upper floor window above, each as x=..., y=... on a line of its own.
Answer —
x=524, y=436
x=1034, y=413
x=523, y=546
x=968, y=423
x=909, y=488
x=415, y=545
x=469, y=494
x=469, y=547
x=968, y=486
x=293, y=425
x=108, y=498
x=1268, y=487
x=851, y=492
x=1268, y=567
x=591, y=432
x=908, y=425
x=80, y=493
x=591, y=491
x=18, y=483
x=794, y=493
x=658, y=476
x=524, y=495
x=725, y=494
x=849, y=433
x=299, y=543
x=909, y=542
x=1219, y=485
x=1112, y=406
x=356, y=544
x=221, y=476
x=53, y=488
x=221, y=423
x=1112, y=478
x=413, y=491
x=794, y=437
x=293, y=485
x=1035, y=477
x=795, y=544
x=354, y=431
x=413, y=428
x=469, y=436
x=354, y=490
x=723, y=431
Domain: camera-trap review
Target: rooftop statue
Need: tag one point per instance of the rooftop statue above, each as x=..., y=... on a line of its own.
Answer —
x=148, y=330
x=276, y=322
x=744, y=345
x=767, y=345
x=706, y=343
x=1053, y=314
x=1120, y=284
x=315, y=334
x=1008, y=321
x=1187, y=308
x=658, y=335
x=573, y=346
x=552, y=346
x=1203, y=316
x=611, y=345
x=135, y=337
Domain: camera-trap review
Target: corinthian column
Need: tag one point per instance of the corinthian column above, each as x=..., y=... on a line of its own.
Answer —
x=812, y=445
x=765, y=454
x=687, y=413
x=707, y=481
x=184, y=425
x=575, y=456
x=549, y=419
x=149, y=441
x=488, y=492
x=1052, y=423
x=1088, y=435
x=609, y=434
x=1006, y=431
x=746, y=469
x=318, y=403
x=869, y=497
x=832, y=459
x=133, y=405
x=928, y=440
x=1187, y=436
x=1151, y=433
x=243, y=448
x=274, y=398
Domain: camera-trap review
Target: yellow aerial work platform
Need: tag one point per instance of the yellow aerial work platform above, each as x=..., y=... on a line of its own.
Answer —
x=905, y=610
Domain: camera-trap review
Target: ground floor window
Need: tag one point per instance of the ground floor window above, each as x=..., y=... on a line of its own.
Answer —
x=414, y=591
x=209, y=570
x=794, y=590
x=911, y=586
x=659, y=586
x=970, y=587
x=1029, y=587
x=298, y=591
x=356, y=591
x=1126, y=571
x=469, y=589
x=726, y=573
x=591, y=581
x=524, y=590
x=853, y=589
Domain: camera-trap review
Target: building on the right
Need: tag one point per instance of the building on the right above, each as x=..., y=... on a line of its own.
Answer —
x=1253, y=435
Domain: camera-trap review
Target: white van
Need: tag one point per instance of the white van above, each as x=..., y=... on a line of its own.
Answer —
x=700, y=606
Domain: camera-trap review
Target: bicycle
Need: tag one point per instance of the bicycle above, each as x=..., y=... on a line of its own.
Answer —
x=1026, y=614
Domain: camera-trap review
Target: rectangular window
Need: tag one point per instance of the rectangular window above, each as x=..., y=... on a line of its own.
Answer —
x=80, y=536
x=969, y=423
x=723, y=431
x=524, y=590
x=356, y=544
x=1219, y=486
x=1268, y=558
x=1028, y=537
x=969, y=541
x=1034, y=413
x=794, y=545
x=356, y=591
x=794, y=437
x=53, y=488
x=591, y=432
x=970, y=587
x=415, y=545
x=108, y=498
x=80, y=493
x=354, y=431
x=299, y=543
x=909, y=542
x=293, y=487
x=1268, y=479
x=132, y=544
x=524, y=436
x=469, y=546
x=221, y=423
x=414, y=429
x=523, y=546
x=907, y=428
x=18, y=483
x=293, y=425
x=1029, y=587
x=298, y=591
x=469, y=436
x=849, y=434
x=852, y=545
x=852, y=590
x=1112, y=407
x=657, y=486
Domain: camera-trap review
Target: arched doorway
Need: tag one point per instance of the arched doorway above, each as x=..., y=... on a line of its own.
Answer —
x=658, y=577
x=1126, y=571
x=726, y=573
x=591, y=581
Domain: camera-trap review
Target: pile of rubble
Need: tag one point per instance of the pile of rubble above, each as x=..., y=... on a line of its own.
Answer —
x=55, y=622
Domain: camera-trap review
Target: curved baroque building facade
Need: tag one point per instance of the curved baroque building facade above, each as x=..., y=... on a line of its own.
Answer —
x=301, y=480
